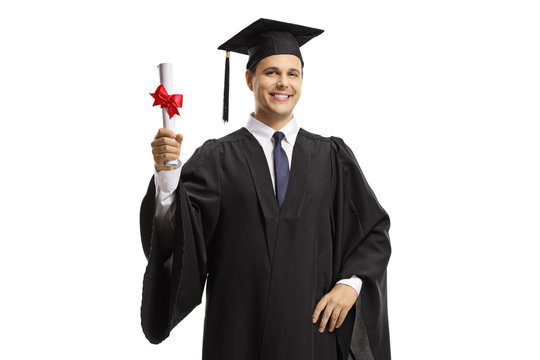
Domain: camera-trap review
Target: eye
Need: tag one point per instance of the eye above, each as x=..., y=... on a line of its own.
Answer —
x=270, y=73
x=293, y=74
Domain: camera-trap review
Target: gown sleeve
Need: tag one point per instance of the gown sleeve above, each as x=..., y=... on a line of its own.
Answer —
x=176, y=271
x=361, y=230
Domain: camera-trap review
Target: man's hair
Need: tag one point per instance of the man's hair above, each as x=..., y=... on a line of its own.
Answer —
x=253, y=69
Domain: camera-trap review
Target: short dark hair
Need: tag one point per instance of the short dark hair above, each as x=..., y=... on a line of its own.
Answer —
x=253, y=68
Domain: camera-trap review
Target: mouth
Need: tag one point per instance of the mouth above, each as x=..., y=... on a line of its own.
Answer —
x=280, y=96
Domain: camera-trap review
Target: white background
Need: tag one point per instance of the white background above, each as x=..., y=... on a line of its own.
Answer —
x=439, y=100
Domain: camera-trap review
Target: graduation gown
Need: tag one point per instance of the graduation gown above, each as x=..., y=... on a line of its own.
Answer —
x=266, y=267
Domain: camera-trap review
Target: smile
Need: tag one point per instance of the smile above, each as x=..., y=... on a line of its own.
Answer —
x=280, y=96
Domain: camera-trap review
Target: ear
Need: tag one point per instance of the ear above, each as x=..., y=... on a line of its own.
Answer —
x=249, y=79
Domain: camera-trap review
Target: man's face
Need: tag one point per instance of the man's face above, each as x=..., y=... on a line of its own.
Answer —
x=276, y=85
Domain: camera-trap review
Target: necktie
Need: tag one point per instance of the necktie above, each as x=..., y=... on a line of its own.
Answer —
x=281, y=167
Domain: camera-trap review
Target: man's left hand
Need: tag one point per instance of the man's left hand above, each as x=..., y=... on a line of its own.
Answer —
x=336, y=304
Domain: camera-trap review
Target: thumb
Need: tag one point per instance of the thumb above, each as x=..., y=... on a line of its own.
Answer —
x=179, y=137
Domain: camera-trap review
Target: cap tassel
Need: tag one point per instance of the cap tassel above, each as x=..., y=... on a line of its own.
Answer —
x=226, y=89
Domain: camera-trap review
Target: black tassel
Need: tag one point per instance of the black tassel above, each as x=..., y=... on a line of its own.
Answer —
x=226, y=90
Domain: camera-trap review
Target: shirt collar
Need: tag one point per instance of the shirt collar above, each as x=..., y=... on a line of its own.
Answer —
x=264, y=133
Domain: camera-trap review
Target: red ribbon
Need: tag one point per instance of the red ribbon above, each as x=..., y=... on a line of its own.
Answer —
x=171, y=102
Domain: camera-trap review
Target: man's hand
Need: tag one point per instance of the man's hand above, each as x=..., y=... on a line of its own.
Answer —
x=166, y=146
x=336, y=304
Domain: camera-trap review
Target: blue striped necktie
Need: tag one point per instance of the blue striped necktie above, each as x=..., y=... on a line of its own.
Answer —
x=281, y=167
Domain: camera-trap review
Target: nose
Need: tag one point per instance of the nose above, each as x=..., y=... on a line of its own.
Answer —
x=283, y=82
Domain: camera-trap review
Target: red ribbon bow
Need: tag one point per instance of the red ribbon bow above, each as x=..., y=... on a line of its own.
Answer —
x=171, y=102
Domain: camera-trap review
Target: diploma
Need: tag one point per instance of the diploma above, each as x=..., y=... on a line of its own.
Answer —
x=166, y=79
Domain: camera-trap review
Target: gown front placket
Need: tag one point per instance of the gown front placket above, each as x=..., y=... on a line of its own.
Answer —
x=280, y=232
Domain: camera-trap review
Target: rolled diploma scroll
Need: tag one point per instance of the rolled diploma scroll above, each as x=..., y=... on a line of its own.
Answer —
x=166, y=79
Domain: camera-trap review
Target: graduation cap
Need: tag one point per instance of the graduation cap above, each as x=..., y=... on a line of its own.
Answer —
x=263, y=38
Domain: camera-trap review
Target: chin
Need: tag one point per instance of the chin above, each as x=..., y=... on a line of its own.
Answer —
x=282, y=113
x=282, y=110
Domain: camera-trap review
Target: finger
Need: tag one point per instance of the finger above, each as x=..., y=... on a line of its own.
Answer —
x=342, y=316
x=164, y=141
x=320, y=307
x=164, y=132
x=161, y=158
x=326, y=316
x=165, y=149
x=334, y=318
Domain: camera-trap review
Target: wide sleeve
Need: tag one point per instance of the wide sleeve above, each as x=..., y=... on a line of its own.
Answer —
x=361, y=231
x=176, y=271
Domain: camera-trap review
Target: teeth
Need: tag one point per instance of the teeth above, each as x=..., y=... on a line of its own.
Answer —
x=280, y=96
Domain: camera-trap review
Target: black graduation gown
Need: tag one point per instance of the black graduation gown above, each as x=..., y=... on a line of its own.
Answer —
x=266, y=268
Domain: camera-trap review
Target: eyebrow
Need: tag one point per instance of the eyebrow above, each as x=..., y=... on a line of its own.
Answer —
x=276, y=68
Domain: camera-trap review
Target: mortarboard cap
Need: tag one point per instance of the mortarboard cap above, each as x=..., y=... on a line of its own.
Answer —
x=264, y=38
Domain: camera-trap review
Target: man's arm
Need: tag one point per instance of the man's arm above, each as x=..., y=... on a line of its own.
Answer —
x=166, y=146
x=166, y=182
x=176, y=271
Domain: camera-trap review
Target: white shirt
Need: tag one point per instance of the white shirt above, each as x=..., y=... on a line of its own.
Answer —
x=167, y=181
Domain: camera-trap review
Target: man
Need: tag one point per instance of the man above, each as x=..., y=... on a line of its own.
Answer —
x=279, y=222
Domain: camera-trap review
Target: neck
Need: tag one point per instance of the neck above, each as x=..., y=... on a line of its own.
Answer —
x=275, y=123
